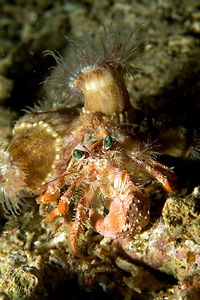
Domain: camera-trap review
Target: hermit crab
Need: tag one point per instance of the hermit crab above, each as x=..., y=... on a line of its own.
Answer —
x=82, y=161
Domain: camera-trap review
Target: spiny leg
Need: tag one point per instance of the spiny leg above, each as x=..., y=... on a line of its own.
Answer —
x=63, y=204
x=80, y=218
x=51, y=195
x=143, y=158
x=52, y=192
x=163, y=174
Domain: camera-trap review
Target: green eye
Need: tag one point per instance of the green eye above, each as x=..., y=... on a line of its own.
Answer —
x=107, y=142
x=78, y=154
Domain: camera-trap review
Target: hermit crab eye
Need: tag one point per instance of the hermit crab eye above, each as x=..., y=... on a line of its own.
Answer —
x=78, y=154
x=107, y=142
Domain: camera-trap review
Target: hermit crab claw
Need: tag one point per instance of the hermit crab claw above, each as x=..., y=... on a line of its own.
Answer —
x=128, y=211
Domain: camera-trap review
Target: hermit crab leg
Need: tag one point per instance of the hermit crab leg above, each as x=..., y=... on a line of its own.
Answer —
x=80, y=218
x=51, y=195
x=53, y=191
x=63, y=204
x=165, y=176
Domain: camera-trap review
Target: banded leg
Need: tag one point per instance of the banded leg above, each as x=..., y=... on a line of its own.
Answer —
x=63, y=204
x=80, y=218
x=161, y=172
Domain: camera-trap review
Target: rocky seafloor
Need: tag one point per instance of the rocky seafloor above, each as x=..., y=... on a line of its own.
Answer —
x=163, y=262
